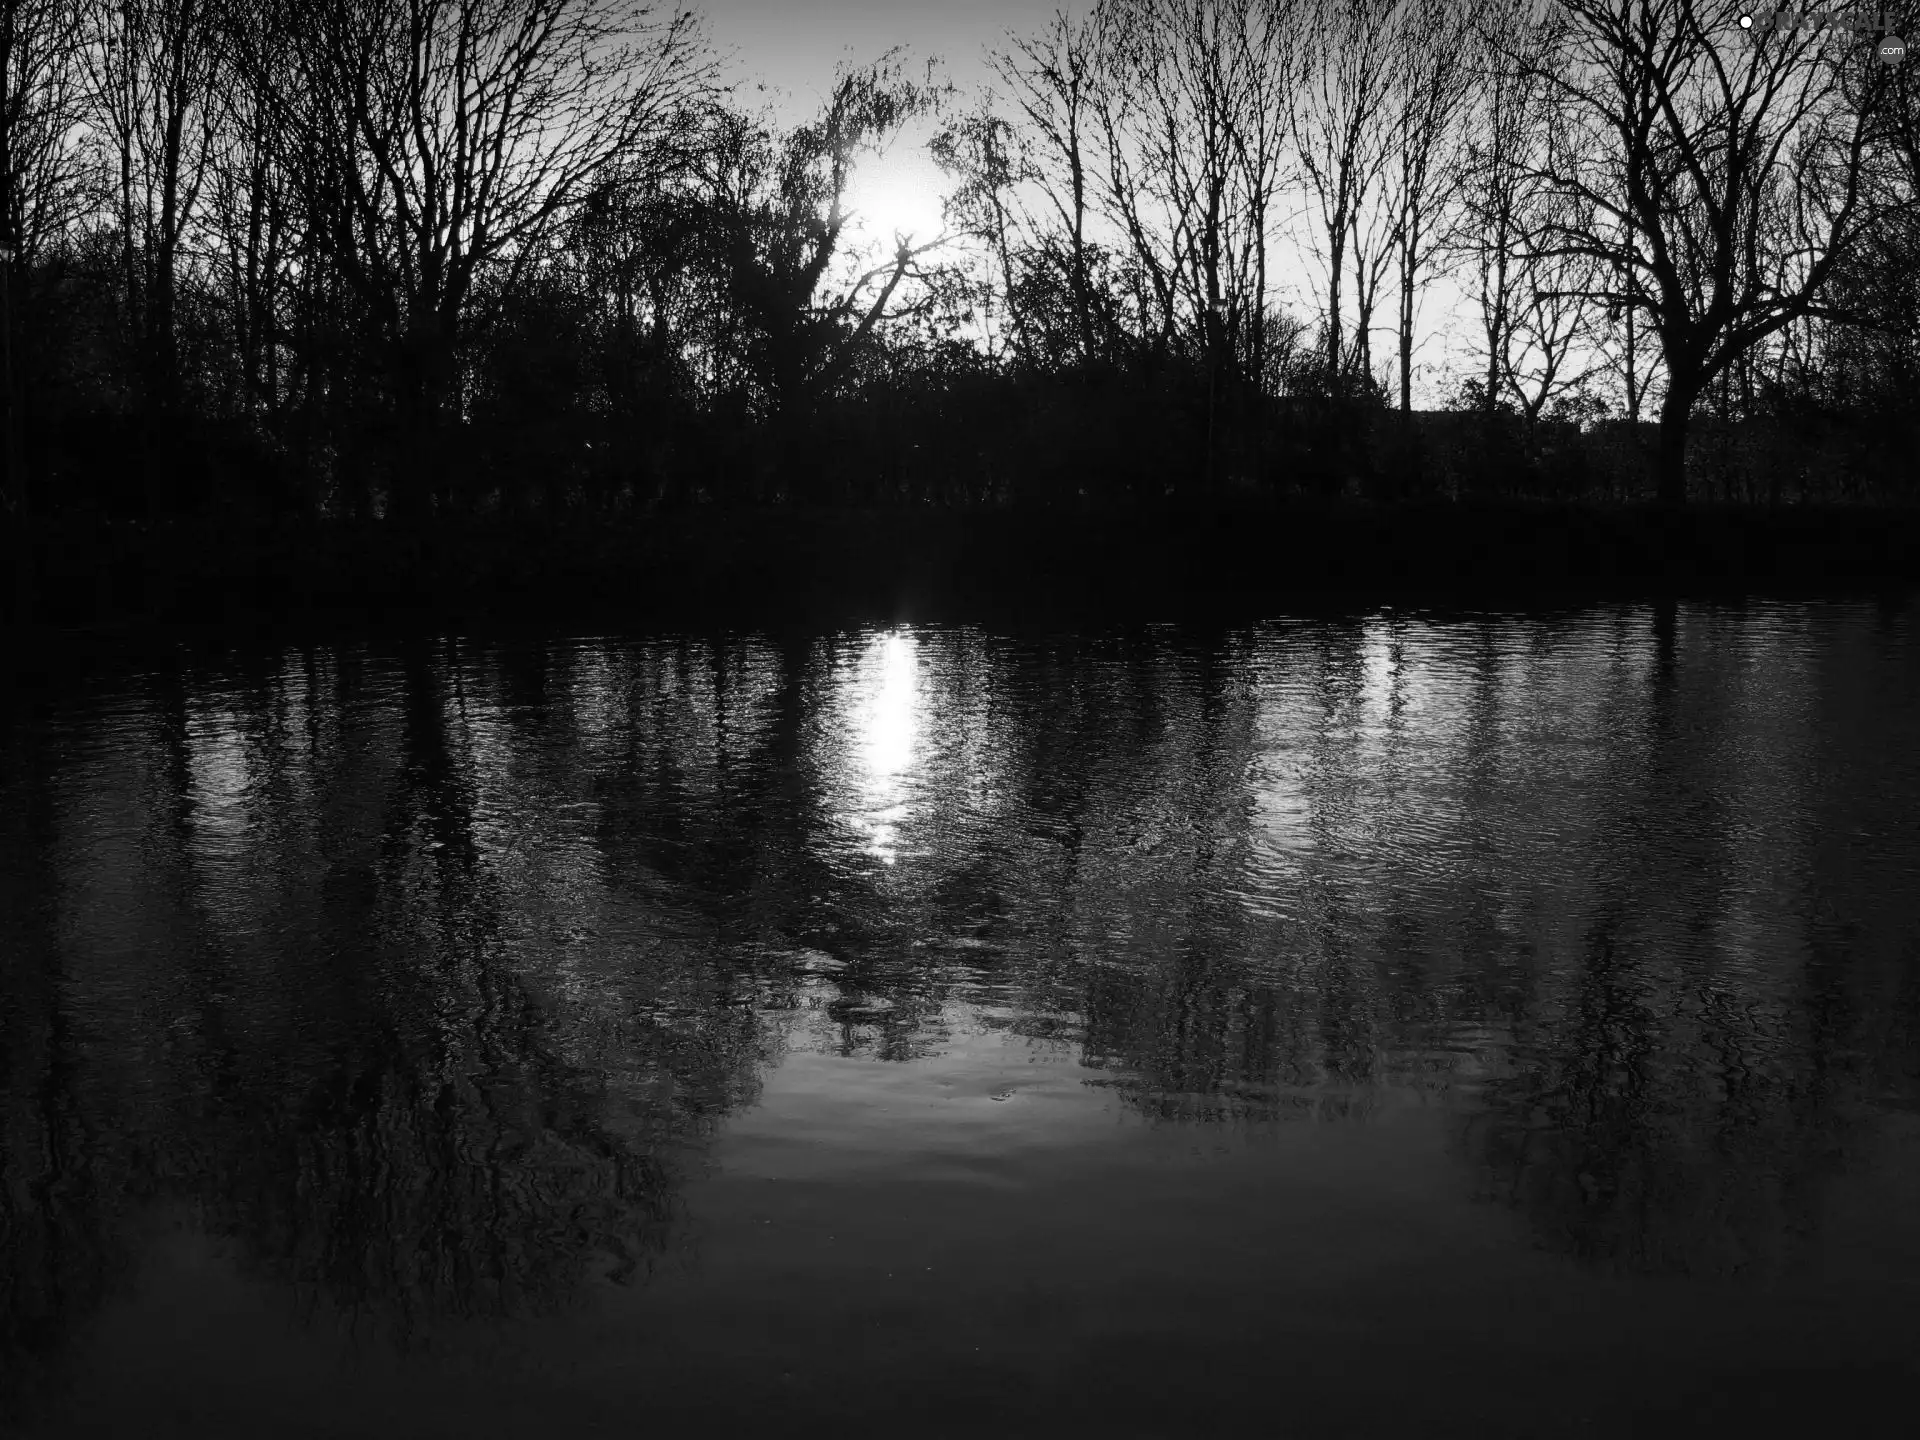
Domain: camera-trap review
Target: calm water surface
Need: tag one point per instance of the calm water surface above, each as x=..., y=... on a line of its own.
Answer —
x=1484, y=1025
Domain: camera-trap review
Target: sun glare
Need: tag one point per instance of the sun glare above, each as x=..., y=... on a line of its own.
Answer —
x=895, y=194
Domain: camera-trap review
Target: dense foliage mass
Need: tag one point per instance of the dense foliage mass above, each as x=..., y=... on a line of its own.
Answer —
x=417, y=258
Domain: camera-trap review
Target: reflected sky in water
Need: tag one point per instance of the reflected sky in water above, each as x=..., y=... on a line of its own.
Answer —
x=1138, y=996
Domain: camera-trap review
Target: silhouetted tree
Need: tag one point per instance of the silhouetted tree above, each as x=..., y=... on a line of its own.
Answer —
x=1050, y=80
x=1732, y=172
x=45, y=185
x=153, y=67
x=1200, y=90
x=448, y=137
x=1426, y=162
x=44, y=177
x=1341, y=142
x=775, y=222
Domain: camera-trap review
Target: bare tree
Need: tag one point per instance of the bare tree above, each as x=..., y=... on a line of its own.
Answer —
x=1869, y=324
x=777, y=223
x=989, y=163
x=1623, y=339
x=1372, y=236
x=1536, y=314
x=43, y=177
x=632, y=243
x=1548, y=351
x=1426, y=162
x=1268, y=63
x=1051, y=80
x=252, y=215
x=1725, y=173
x=43, y=180
x=1339, y=138
x=1135, y=198
x=1505, y=127
x=1205, y=78
x=1164, y=123
x=445, y=137
x=151, y=68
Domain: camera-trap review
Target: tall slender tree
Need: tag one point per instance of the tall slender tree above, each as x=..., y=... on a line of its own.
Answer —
x=1340, y=140
x=1050, y=80
x=153, y=67
x=44, y=187
x=1433, y=84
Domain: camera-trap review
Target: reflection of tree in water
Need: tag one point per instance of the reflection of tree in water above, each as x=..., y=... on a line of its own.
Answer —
x=1198, y=1012
x=1219, y=1052
x=338, y=1064
x=400, y=1187
x=1667, y=1118
x=1661, y=1115
x=61, y=1194
x=1644, y=1129
x=466, y=1117
x=1682, y=1123
x=447, y=1160
x=63, y=1182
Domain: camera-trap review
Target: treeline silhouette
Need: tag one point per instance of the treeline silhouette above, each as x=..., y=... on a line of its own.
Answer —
x=419, y=263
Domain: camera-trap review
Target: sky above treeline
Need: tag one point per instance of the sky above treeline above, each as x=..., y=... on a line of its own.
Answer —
x=792, y=46
x=792, y=49
x=782, y=55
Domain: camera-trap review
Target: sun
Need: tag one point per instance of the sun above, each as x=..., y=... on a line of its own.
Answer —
x=894, y=194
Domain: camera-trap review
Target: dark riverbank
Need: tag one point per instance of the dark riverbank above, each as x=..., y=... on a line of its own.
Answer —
x=768, y=566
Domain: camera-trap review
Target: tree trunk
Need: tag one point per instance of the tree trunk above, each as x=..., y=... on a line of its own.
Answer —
x=19, y=555
x=1633, y=372
x=1406, y=341
x=1337, y=239
x=426, y=374
x=162, y=342
x=1671, y=469
x=162, y=452
x=1082, y=305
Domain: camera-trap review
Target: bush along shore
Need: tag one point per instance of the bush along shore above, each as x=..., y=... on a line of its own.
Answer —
x=767, y=565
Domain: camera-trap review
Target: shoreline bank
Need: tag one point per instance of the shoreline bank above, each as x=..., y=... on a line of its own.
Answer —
x=772, y=566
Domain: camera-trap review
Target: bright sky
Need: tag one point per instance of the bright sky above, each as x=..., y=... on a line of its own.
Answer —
x=793, y=45
x=783, y=53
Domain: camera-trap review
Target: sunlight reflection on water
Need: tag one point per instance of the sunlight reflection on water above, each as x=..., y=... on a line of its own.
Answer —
x=883, y=715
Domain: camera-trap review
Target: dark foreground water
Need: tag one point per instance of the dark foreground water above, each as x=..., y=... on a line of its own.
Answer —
x=1415, y=1026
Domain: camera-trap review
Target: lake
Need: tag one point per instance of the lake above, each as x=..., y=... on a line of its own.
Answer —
x=1494, y=1024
